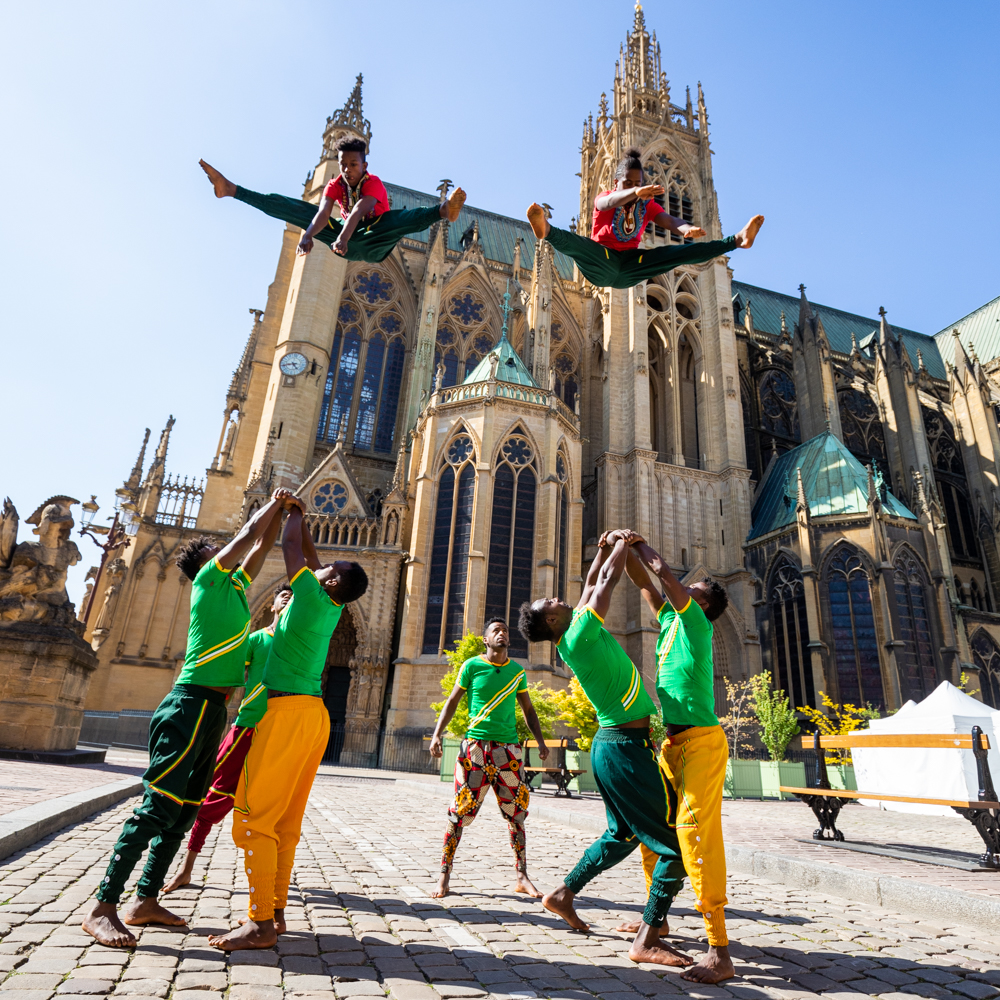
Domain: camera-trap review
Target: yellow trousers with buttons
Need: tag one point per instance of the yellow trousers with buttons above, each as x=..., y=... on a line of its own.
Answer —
x=694, y=762
x=271, y=798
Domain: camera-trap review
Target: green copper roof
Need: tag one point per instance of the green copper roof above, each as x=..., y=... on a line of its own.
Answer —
x=497, y=233
x=767, y=307
x=834, y=481
x=980, y=329
x=510, y=367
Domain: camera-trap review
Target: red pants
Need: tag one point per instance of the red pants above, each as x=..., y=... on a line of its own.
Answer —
x=219, y=801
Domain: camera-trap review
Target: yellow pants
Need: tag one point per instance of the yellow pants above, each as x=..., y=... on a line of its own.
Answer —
x=695, y=764
x=272, y=794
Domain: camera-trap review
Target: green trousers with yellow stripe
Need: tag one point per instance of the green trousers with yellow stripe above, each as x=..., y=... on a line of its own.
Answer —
x=641, y=806
x=610, y=268
x=372, y=241
x=184, y=735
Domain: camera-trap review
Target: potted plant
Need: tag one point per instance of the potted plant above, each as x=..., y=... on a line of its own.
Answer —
x=778, y=725
x=575, y=709
x=740, y=724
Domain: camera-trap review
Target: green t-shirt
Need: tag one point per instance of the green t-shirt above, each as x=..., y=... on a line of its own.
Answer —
x=685, y=678
x=254, y=703
x=302, y=637
x=492, y=698
x=220, y=625
x=606, y=674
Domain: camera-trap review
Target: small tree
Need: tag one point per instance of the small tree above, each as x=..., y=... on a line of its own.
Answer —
x=577, y=711
x=545, y=708
x=838, y=720
x=777, y=720
x=465, y=648
x=739, y=723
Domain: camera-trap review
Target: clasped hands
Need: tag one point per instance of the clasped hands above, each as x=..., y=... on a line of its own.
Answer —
x=627, y=535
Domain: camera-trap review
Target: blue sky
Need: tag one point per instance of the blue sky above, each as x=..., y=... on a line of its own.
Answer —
x=866, y=133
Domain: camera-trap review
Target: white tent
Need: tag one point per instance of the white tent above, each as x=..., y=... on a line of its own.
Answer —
x=935, y=774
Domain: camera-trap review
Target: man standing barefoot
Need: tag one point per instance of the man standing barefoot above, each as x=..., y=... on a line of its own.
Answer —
x=639, y=803
x=490, y=755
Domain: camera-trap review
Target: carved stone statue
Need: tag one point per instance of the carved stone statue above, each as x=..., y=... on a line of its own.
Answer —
x=33, y=575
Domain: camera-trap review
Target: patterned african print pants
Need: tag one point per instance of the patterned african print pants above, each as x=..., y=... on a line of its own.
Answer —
x=483, y=764
x=373, y=240
x=609, y=268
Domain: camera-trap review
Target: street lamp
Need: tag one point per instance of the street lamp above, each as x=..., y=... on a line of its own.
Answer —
x=124, y=526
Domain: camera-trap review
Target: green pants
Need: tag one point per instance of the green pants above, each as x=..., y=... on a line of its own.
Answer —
x=184, y=735
x=372, y=241
x=640, y=805
x=609, y=268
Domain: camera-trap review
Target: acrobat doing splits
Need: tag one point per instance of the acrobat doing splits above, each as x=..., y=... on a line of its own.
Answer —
x=611, y=256
x=367, y=228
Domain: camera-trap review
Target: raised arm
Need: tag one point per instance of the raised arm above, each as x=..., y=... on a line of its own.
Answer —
x=608, y=576
x=676, y=592
x=233, y=554
x=603, y=551
x=291, y=542
x=320, y=219
x=638, y=575
x=687, y=229
x=309, y=546
x=255, y=558
x=626, y=196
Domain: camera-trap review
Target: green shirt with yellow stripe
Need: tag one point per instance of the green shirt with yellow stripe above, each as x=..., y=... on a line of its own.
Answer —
x=685, y=676
x=219, y=627
x=254, y=703
x=492, y=698
x=608, y=677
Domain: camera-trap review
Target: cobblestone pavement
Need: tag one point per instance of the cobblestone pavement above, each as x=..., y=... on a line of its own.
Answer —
x=361, y=922
x=23, y=783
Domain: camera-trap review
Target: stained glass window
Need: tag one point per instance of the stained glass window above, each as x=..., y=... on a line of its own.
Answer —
x=450, y=368
x=986, y=655
x=916, y=656
x=330, y=497
x=343, y=367
x=447, y=577
x=392, y=386
x=373, y=286
x=512, y=534
x=945, y=453
x=792, y=666
x=862, y=427
x=855, y=645
x=466, y=309
x=778, y=411
x=958, y=515
x=364, y=423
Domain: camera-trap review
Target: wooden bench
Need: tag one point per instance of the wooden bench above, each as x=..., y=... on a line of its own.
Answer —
x=559, y=773
x=826, y=802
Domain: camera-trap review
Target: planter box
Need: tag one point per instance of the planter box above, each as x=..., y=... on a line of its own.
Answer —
x=450, y=746
x=781, y=772
x=742, y=780
x=579, y=760
x=842, y=776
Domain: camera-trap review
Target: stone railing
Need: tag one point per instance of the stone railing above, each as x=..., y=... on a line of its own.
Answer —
x=334, y=531
x=467, y=392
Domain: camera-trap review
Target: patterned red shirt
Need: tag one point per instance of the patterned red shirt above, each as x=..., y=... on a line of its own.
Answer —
x=621, y=228
x=370, y=186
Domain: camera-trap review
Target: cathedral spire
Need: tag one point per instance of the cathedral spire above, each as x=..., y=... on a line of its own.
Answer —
x=805, y=309
x=133, y=481
x=158, y=465
x=349, y=120
x=886, y=334
x=240, y=384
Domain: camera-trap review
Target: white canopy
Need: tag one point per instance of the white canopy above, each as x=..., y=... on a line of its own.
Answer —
x=935, y=774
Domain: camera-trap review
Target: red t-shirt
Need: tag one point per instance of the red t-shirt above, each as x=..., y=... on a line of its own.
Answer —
x=621, y=228
x=370, y=186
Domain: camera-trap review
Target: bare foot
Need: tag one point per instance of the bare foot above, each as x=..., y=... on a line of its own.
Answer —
x=442, y=889
x=713, y=968
x=560, y=902
x=539, y=224
x=647, y=947
x=146, y=910
x=746, y=236
x=279, y=921
x=629, y=927
x=451, y=208
x=183, y=877
x=224, y=188
x=103, y=925
x=523, y=884
x=250, y=935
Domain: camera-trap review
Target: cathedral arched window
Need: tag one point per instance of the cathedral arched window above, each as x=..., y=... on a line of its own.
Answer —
x=855, y=644
x=945, y=454
x=367, y=360
x=679, y=204
x=862, y=427
x=778, y=409
x=792, y=666
x=562, y=531
x=958, y=516
x=464, y=336
x=447, y=578
x=916, y=655
x=566, y=384
x=688, y=372
x=512, y=534
x=986, y=655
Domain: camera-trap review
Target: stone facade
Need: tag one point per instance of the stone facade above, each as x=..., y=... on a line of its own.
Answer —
x=464, y=484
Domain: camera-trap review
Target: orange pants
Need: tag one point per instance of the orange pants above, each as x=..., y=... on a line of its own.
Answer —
x=694, y=762
x=271, y=797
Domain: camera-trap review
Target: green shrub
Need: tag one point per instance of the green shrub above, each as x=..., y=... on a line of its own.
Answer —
x=778, y=723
